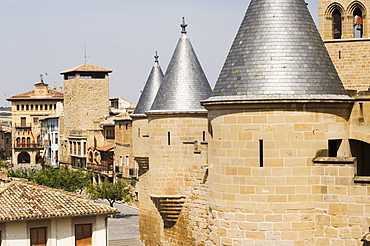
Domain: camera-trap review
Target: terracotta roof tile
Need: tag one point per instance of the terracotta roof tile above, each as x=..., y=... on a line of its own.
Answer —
x=87, y=68
x=55, y=95
x=22, y=201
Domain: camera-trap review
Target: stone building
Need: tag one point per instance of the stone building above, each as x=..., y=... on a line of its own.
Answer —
x=86, y=90
x=5, y=143
x=345, y=28
x=288, y=156
x=34, y=215
x=27, y=110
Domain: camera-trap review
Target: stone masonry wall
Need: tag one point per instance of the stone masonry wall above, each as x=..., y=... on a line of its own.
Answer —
x=290, y=200
x=352, y=61
x=177, y=172
x=85, y=101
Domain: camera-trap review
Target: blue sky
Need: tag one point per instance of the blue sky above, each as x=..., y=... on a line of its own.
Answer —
x=48, y=36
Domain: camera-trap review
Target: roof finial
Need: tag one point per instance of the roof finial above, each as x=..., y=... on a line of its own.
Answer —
x=156, y=57
x=183, y=25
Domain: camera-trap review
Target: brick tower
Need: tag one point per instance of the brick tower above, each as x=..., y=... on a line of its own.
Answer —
x=345, y=28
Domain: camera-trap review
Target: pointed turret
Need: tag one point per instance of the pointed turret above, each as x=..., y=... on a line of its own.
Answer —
x=151, y=88
x=185, y=83
x=278, y=54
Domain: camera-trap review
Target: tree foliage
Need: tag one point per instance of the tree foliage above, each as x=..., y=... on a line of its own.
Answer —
x=59, y=178
x=121, y=190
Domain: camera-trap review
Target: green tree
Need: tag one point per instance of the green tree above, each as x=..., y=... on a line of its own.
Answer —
x=59, y=178
x=122, y=190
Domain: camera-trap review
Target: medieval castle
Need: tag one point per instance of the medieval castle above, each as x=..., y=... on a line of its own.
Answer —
x=278, y=153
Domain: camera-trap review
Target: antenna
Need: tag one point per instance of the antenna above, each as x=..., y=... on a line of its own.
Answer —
x=86, y=56
x=41, y=77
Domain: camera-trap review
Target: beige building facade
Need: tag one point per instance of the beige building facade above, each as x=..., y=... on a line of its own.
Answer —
x=27, y=110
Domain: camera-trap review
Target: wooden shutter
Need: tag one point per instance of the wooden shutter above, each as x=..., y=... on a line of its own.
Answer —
x=83, y=234
x=38, y=236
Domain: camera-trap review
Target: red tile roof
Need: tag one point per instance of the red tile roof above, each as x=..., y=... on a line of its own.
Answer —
x=23, y=201
x=87, y=68
x=55, y=95
x=106, y=147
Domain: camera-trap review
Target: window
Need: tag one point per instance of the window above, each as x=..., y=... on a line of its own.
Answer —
x=333, y=146
x=36, y=120
x=261, y=152
x=36, y=107
x=46, y=107
x=83, y=234
x=169, y=138
x=41, y=106
x=127, y=160
x=23, y=121
x=18, y=107
x=204, y=136
x=38, y=236
x=358, y=23
x=337, y=24
x=56, y=138
x=361, y=150
x=31, y=106
x=27, y=107
x=22, y=107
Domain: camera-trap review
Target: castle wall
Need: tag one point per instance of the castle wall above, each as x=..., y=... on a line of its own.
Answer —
x=140, y=137
x=289, y=200
x=173, y=207
x=352, y=61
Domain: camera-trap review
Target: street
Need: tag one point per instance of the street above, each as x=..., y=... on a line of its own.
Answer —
x=123, y=228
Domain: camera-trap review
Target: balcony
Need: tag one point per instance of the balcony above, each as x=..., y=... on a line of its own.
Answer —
x=27, y=145
x=22, y=126
x=76, y=133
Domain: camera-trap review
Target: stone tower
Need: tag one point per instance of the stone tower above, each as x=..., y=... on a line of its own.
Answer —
x=280, y=167
x=172, y=191
x=140, y=134
x=86, y=90
x=345, y=28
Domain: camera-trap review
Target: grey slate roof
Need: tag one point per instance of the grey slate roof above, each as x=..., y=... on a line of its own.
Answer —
x=150, y=90
x=278, y=54
x=185, y=83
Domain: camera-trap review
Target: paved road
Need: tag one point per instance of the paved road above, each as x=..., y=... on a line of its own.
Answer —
x=123, y=228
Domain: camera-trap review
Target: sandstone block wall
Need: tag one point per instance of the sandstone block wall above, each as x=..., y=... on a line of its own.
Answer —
x=178, y=173
x=85, y=101
x=352, y=61
x=289, y=200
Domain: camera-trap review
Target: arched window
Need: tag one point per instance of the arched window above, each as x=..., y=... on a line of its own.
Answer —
x=357, y=23
x=46, y=107
x=337, y=24
x=36, y=107
x=18, y=107
x=40, y=106
x=22, y=107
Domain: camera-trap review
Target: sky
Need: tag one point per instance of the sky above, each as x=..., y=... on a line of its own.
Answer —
x=49, y=36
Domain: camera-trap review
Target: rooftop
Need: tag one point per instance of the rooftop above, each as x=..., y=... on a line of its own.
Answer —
x=278, y=54
x=87, y=68
x=25, y=201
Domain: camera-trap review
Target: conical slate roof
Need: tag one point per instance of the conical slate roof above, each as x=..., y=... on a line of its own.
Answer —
x=278, y=54
x=185, y=83
x=151, y=88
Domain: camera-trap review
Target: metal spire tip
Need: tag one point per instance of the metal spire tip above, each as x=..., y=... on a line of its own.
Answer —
x=156, y=57
x=183, y=25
